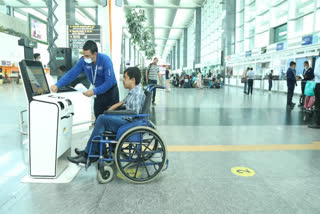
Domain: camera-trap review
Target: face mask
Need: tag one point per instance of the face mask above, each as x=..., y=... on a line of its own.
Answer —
x=89, y=60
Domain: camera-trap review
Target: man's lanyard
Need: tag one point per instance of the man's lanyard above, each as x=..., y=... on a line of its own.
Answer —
x=94, y=76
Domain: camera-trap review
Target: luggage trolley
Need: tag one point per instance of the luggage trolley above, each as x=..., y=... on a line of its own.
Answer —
x=137, y=149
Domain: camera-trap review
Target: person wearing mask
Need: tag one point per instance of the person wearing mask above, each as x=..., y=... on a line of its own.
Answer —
x=317, y=94
x=308, y=75
x=99, y=70
x=37, y=57
x=134, y=101
x=152, y=75
x=291, y=83
x=167, y=78
x=244, y=76
x=270, y=80
x=250, y=77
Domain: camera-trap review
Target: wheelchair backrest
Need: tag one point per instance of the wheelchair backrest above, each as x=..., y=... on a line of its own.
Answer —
x=147, y=103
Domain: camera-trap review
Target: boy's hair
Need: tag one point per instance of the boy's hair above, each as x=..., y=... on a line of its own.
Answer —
x=36, y=55
x=292, y=63
x=134, y=72
x=306, y=62
x=90, y=45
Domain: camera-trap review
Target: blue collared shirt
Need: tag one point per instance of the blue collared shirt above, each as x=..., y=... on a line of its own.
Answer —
x=105, y=78
x=134, y=101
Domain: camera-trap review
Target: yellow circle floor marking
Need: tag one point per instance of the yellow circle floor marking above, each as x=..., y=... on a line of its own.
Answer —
x=131, y=173
x=243, y=171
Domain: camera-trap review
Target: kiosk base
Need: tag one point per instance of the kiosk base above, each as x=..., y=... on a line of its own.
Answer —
x=65, y=177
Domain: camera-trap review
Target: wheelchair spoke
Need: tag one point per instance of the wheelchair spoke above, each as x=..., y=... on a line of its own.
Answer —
x=146, y=169
x=135, y=174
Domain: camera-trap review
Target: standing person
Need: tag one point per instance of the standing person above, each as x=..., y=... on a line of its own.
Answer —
x=199, y=80
x=291, y=83
x=152, y=74
x=317, y=94
x=99, y=70
x=167, y=78
x=250, y=76
x=244, y=76
x=37, y=57
x=270, y=80
x=308, y=75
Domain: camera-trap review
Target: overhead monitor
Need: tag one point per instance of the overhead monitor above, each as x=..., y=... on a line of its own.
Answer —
x=34, y=78
x=38, y=29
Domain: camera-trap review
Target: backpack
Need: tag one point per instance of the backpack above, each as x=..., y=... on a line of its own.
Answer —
x=309, y=89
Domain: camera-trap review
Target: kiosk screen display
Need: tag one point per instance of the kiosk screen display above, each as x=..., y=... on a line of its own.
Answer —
x=37, y=80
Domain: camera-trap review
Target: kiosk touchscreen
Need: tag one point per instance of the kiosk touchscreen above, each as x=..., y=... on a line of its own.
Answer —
x=50, y=123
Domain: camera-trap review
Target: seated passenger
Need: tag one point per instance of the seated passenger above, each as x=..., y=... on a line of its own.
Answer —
x=134, y=101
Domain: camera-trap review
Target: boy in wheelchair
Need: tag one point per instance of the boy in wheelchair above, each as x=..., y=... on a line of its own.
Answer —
x=134, y=101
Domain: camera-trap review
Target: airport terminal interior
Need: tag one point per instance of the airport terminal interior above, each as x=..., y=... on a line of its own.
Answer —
x=233, y=128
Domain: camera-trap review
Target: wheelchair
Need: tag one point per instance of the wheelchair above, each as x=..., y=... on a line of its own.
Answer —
x=137, y=149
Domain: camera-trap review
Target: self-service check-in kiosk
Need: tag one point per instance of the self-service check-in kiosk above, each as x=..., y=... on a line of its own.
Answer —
x=50, y=123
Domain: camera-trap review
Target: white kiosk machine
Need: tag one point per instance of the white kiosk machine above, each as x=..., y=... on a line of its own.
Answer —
x=50, y=123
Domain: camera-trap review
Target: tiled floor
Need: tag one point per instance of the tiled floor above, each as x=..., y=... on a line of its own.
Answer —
x=195, y=182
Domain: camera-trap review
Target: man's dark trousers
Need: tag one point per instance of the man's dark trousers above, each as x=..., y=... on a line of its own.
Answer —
x=290, y=94
x=154, y=90
x=103, y=101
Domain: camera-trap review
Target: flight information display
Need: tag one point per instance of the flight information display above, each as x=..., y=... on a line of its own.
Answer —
x=79, y=34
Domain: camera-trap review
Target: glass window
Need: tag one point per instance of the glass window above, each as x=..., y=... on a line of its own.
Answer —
x=8, y=10
x=318, y=20
x=263, y=22
x=279, y=14
x=304, y=7
x=262, y=6
x=240, y=19
x=249, y=29
x=262, y=39
x=240, y=5
x=280, y=33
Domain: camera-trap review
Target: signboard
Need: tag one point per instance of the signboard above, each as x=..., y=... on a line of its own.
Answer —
x=263, y=50
x=307, y=40
x=79, y=34
x=248, y=53
x=280, y=46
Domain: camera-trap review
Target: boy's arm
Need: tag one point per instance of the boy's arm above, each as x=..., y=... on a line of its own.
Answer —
x=115, y=106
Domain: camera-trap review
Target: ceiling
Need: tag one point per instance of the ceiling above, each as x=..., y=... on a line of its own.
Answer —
x=167, y=18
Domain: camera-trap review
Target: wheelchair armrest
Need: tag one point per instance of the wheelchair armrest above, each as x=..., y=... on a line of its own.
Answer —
x=120, y=112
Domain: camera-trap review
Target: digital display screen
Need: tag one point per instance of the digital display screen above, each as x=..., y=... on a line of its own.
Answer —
x=38, y=29
x=37, y=80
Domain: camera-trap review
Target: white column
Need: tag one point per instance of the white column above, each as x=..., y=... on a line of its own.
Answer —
x=61, y=26
x=117, y=18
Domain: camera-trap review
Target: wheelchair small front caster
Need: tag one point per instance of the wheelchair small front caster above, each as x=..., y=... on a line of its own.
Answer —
x=104, y=173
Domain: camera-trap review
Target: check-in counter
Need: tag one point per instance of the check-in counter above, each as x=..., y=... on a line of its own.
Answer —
x=277, y=85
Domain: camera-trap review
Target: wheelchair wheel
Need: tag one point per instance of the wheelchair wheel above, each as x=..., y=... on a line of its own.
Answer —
x=140, y=155
x=301, y=100
x=104, y=173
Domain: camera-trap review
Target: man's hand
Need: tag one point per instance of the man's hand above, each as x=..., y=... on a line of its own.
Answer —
x=88, y=93
x=54, y=89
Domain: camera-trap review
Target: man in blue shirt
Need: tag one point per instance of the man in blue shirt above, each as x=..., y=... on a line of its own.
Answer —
x=134, y=101
x=99, y=70
x=291, y=83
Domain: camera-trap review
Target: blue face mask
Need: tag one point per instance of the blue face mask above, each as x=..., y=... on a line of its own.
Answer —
x=89, y=60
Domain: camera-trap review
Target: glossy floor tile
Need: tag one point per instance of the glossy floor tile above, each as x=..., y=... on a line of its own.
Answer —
x=195, y=182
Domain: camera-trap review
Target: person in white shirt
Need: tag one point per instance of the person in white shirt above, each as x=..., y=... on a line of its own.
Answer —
x=317, y=93
x=250, y=77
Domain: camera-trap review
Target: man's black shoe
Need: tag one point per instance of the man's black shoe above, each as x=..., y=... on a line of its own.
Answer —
x=78, y=151
x=81, y=160
x=316, y=126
